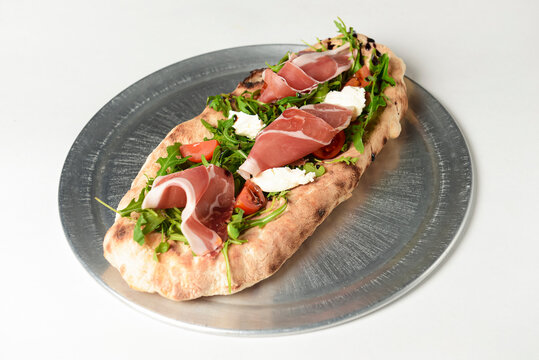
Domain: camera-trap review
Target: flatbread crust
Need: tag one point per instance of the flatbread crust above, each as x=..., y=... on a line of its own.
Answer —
x=181, y=276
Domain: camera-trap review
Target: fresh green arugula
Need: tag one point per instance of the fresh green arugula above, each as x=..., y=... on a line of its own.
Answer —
x=134, y=205
x=261, y=222
x=224, y=251
x=232, y=151
x=321, y=48
x=240, y=223
x=173, y=162
x=349, y=36
x=148, y=221
x=346, y=159
x=220, y=103
x=379, y=80
x=317, y=168
x=280, y=63
x=161, y=248
x=167, y=221
x=235, y=225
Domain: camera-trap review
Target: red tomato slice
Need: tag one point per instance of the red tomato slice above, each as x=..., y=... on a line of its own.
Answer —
x=198, y=149
x=251, y=198
x=360, y=77
x=334, y=147
x=352, y=82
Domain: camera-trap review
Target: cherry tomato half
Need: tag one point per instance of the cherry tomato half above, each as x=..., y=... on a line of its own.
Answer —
x=360, y=77
x=251, y=198
x=196, y=150
x=334, y=147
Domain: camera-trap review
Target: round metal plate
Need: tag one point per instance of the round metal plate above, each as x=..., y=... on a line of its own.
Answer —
x=409, y=209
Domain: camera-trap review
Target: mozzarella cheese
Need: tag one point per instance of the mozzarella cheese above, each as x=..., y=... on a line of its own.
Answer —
x=351, y=97
x=247, y=125
x=282, y=178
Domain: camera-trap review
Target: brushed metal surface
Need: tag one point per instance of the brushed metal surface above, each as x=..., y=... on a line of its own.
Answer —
x=408, y=210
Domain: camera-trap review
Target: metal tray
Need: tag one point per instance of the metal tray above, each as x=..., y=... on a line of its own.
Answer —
x=409, y=209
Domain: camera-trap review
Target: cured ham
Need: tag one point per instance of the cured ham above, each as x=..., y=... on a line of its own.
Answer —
x=335, y=115
x=275, y=88
x=293, y=135
x=303, y=72
x=296, y=77
x=324, y=65
x=207, y=195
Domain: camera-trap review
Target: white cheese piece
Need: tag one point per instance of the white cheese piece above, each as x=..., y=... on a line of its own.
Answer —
x=352, y=97
x=282, y=178
x=247, y=125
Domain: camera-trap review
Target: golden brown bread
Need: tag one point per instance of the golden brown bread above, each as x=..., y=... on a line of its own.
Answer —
x=180, y=276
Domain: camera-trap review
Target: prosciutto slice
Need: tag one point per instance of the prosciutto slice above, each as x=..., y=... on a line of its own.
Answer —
x=293, y=135
x=335, y=115
x=303, y=72
x=207, y=195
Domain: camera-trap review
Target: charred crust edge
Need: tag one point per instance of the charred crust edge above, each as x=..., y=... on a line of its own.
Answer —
x=120, y=233
x=356, y=174
x=249, y=82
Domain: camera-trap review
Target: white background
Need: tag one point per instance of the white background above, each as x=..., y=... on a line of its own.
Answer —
x=61, y=61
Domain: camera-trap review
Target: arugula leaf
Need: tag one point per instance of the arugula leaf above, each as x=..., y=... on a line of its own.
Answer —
x=172, y=225
x=317, y=169
x=161, y=248
x=280, y=63
x=320, y=93
x=380, y=75
x=224, y=251
x=204, y=161
x=349, y=35
x=224, y=132
x=178, y=237
x=357, y=131
x=324, y=48
x=172, y=162
x=233, y=231
x=379, y=80
x=237, y=241
x=134, y=205
x=138, y=235
x=346, y=159
x=234, y=226
x=247, y=104
x=266, y=219
x=151, y=220
x=320, y=49
x=232, y=150
x=277, y=195
x=219, y=103
x=238, y=223
x=106, y=205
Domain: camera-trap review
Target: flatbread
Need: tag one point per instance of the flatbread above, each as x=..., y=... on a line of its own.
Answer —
x=181, y=276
